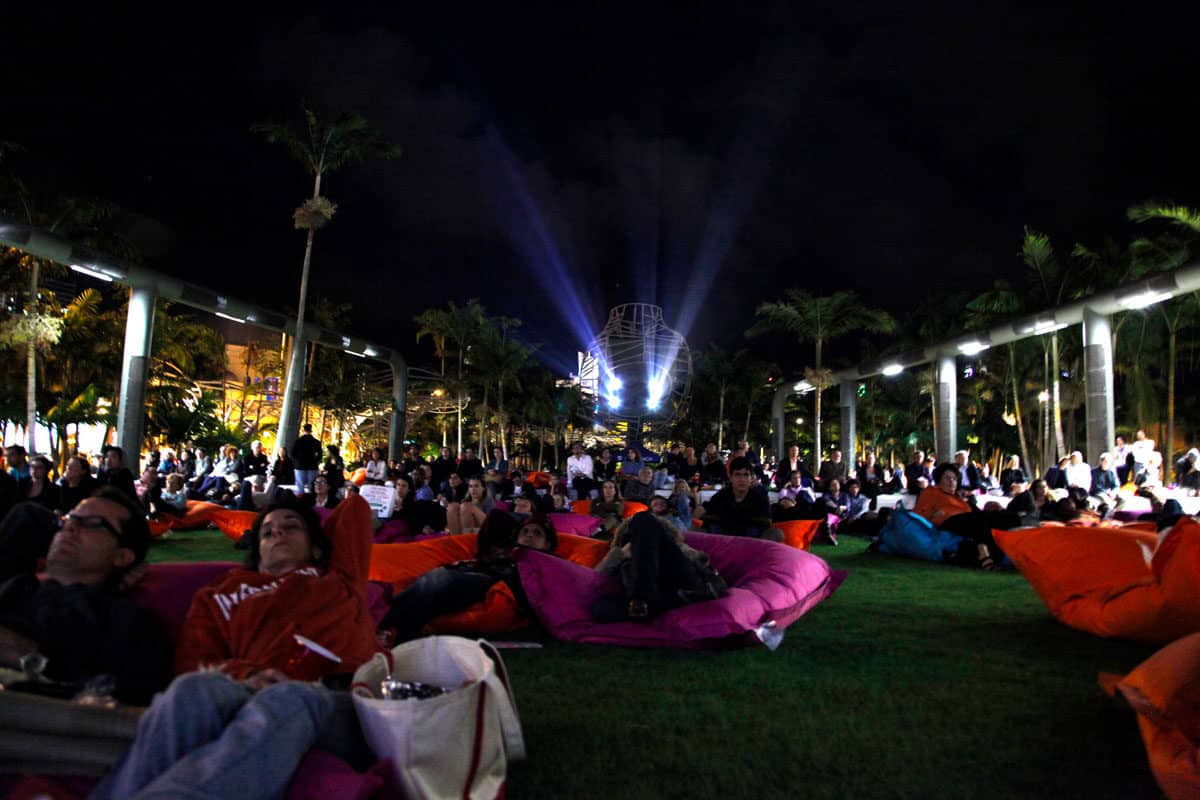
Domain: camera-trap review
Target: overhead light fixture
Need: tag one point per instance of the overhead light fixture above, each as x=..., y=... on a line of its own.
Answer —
x=223, y=315
x=370, y=352
x=1048, y=327
x=92, y=273
x=892, y=369
x=803, y=387
x=973, y=347
x=351, y=352
x=1142, y=299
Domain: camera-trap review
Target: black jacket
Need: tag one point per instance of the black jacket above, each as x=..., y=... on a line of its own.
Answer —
x=306, y=452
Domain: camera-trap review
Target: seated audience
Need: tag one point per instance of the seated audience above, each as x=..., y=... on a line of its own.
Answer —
x=580, y=472
x=871, y=476
x=284, y=469
x=322, y=495
x=224, y=477
x=1079, y=473
x=202, y=469
x=683, y=501
x=1012, y=476
x=968, y=473
x=172, y=499
x=376, y=467
x=38, y=488
x=1030, y=503
x=115, y=473
x=609, y=506
x=789, y=465
x=712, y=468
x=741, y=508
x=915, y=470
x=421, y=516
x=1056, y=476
x=604, y=468
x=334, y=468
x=18, y=461
x=642, y=489
x=468, y=514
x=831, y=469
x=498, y=462
x=1104, y=481
x=856, y=503
x=942, y=506
x=454, y=491
x=77, y=483
x=469, y=466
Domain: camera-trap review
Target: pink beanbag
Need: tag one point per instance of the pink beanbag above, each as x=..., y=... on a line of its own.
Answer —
x=166, y=590
x=767, y=582
x=578, y=524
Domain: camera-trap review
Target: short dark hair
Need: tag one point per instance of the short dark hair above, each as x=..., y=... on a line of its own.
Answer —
x=942, y=469
x=547, y=526
x=114, y=449
x=307, y=428
x=289, y=502
x=740, y=463
x=135, y=531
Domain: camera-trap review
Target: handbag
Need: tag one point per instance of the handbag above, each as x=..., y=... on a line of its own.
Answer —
x=456, y=744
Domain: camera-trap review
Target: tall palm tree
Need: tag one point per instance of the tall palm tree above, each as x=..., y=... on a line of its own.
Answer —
x=815, y=319
x=1001, y=302
x=721, y=371
x=460, y=325
x=323, y=148
x=1051, y=281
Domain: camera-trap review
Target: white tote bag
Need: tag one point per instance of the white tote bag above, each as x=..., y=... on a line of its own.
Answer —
x=453, y=745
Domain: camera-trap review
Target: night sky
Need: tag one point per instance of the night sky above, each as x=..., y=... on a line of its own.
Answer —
x=560, y=161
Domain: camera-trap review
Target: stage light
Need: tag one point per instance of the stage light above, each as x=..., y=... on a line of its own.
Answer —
x=229, y=317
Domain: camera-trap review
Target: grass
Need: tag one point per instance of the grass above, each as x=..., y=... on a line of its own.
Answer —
x=913, y=680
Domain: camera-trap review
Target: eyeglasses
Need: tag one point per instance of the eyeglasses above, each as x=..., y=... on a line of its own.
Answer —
x=91, y=522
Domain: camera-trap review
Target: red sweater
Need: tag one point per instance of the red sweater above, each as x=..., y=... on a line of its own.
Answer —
x=245, y=621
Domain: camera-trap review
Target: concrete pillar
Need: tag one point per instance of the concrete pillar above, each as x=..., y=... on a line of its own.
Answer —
x=848, y=397
x=289, y=414
x=135, y=365
x=778, y=404
x=1098, y=369
x=947, y=405
x=399, y=405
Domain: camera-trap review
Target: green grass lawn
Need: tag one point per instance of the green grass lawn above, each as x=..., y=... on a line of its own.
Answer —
x=913, y=680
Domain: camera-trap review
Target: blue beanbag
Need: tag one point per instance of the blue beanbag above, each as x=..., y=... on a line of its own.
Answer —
x=911, y=535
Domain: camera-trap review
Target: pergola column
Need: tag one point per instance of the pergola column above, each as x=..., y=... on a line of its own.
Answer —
x=947, y=406
x=289, y=414
x=1098, y=369
x=848, y=397
x=399, y=405
x=135, y=366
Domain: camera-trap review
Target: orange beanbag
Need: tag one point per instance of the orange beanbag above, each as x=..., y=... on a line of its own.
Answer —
x=633, y=507
x=1164, y=690
x=540, y=480
x=581, y=507
x=799, y=533
x=198, y=515
x=1097, y=579
x=401, y=565
x=231, y=522
x=359, y=476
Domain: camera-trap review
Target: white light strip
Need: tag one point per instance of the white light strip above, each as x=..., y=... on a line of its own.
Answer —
x=92, y=273
x=1048, y=327
x=972, y=348
x=351, y=352
x=223, y=315
x=892, y=369
x=1142, y=299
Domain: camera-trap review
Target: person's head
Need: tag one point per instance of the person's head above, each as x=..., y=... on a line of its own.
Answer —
x=835, y=456
x=201, y=452
x=632, y=454
x=835, y=487
x=283, y=452
x=447, y=453
x=1062, y=462
x=523, y=504
x=645, y=475
x=185, y=455
x=403, y=487
x=795, y=479
x=710, y=449
x=870, y=458
x=1119, y=440
x=231, y=452
x=174, y=482
x=1105, y=460
x=468, y=454
x=114, y=458
x=332, y=450
x=454, y=480
x=1038, y=488
x=689, y=453
x=307, y=428
x=103, y=537
x=1014, y=462
x=1076, y=457
x=1140, y=435
x=608, y=491
x=960, y=458
x=577, y=449
x=945, y=477
x=917, y=457
x=376, y=454
x=149, y=477
x=794, y=452
x=39, y=468
x=258, y=482
x=743, y=445
x=321, y=485
x=681, y=487
x=15, y=455
x=740, y=473
x=255, y=447
x=76, y=469
x=659, y=506
x=605, y=454
x=853, y=488
x=537, y=533
x=286, y=536
x=476, y=491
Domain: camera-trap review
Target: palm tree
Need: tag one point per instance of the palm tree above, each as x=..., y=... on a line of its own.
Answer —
x=817, y=319
x=323, y=148
x=1001, y=302
x=460, y=325
x=720, y=370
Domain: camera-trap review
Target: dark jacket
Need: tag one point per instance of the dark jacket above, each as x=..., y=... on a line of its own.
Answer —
x=306, y=452
x=120, y=479
x=736, y=519
x=50, y=496
x=69, y=497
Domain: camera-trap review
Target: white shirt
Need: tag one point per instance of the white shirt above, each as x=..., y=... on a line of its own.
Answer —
x=579, y=465
x=1080, y=475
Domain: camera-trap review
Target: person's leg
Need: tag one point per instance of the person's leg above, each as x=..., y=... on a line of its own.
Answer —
x=258, y=751
x=471, y=517
x=454, y=518
x=437, y=592
x=245, y=500
x=191, y=712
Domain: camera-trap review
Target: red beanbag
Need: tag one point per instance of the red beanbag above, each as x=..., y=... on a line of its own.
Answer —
x=799, y=533
x=633, y=507
x=198, y=515
x=1097, y=579
x=1164, y=690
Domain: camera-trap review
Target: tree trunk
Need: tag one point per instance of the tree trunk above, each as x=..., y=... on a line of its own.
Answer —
x=746, y=430
x=817, y=417
x=721, y=421
x=1059, y=441
x=541, y=447
x=31, y=365
x=1169, y=450
x=500, y=419
x=1012, y=365
x=308, y=246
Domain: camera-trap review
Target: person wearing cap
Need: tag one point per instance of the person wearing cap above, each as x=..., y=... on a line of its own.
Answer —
x=454, y=587
x=77, y=623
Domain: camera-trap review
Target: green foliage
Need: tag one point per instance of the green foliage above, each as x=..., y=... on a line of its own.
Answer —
x=324, y=147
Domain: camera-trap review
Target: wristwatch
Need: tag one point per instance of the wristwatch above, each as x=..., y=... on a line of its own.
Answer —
x=34, y=665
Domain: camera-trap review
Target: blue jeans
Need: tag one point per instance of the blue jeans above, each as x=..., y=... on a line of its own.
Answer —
x=305, y=478
x=209, y=736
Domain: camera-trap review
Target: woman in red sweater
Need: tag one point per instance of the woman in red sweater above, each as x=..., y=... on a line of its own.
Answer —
x=240, y=723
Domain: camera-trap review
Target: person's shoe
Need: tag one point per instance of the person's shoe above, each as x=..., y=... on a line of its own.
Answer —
x=638, y=609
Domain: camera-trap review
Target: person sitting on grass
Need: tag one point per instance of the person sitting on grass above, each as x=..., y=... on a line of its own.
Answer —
x=741, y=508
x=947, y=511
x=454, y=587
x=172, y=499
x=245, y=710
x=609, y=507
x=467, y=515
x=38, y=488
x=421, y=516
x=658, y=571
x=1030, y=503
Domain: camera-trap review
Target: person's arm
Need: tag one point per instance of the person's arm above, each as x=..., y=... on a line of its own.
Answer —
x=350, y=524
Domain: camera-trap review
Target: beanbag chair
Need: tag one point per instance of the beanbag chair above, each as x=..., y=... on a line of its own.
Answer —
x=767, y=583
x=581, y=507
x=1164, y=690
x=166, y=590
x=911, y=535
x=198, y=515
x=359, y=476
x=540, y=480
x=578, y=524
x=234, y=523
x=401, y=565
x=799, y=533
x=633, y=507
x=1097, y=579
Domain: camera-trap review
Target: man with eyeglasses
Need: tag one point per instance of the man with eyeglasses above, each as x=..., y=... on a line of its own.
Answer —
x=741, y=508
x=76, y=624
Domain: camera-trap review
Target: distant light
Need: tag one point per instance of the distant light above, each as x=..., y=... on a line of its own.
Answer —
x=892, y=369
x=968, y=372
x=803, y=387
x=370, y=352
x=972, y=348
x=1043, y=396
x=656, y=389
x=223, y=315
x=351, y=352
x=1142, y=299
x=92, y=273
x=799, y=420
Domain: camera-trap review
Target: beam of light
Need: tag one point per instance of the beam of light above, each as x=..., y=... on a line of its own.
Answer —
x=656, y=388
x=1142, y=299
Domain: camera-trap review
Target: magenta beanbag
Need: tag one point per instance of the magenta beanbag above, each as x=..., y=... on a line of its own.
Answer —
x=767, y=581
x=578, y=524
x=166, y=590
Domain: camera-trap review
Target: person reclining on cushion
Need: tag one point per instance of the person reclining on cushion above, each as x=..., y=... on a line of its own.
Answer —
x=239, y=726
x=942, y=506
x=657, y=569
x=454, y=587
x=77, y=624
